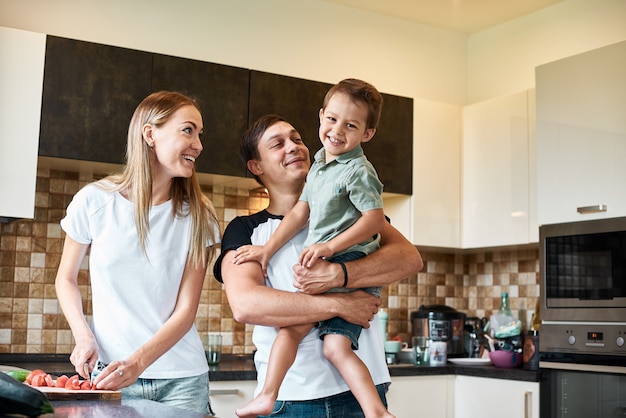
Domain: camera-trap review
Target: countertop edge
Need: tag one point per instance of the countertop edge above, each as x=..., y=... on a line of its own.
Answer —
x=241, y=367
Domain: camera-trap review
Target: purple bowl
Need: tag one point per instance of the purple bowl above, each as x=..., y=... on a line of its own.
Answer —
x=505, y=359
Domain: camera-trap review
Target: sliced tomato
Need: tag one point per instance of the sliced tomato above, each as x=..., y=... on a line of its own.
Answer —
x=61, y=381
x=73, y=383
x=29, y=376
x=84, y=385
x=38, y=380
x=49, y=381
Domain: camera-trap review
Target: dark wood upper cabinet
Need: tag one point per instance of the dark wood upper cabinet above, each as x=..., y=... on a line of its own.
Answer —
x=299, y=101
x=391, y=149
x=222, y=92
x=90, y=92
x=295, y=99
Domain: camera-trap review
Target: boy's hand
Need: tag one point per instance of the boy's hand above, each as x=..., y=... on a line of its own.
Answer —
x=313, y=253
x=252, y=253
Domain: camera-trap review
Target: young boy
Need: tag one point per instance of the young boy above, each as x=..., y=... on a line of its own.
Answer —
x=342, y=202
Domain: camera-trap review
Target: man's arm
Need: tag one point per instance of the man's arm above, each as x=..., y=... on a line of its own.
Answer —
x=253, y=302
x=395, y=260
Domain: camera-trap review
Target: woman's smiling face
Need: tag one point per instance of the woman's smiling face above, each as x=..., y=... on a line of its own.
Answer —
x=177, y=143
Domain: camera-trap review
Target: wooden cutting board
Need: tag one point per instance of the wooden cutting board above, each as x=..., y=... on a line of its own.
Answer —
x=67, y=394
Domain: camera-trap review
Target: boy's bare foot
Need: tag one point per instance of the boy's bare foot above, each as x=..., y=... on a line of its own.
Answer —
x=261, y=405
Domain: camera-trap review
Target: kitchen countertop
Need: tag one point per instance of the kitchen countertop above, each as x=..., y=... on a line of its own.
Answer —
x=131, y=408
x=241, y=367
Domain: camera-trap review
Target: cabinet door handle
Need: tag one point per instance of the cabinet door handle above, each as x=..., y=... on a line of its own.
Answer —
x=528, y=404
x=591, y=209
x=223, y=392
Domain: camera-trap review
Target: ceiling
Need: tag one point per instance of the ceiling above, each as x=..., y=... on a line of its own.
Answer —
x=465, y=16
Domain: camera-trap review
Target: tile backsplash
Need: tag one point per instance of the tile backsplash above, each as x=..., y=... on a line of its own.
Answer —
x=31, y=320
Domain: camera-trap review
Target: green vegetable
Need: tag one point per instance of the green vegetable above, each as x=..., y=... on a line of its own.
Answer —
x=19, y=398
x=19, y=375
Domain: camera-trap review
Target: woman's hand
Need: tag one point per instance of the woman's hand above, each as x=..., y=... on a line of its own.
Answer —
x=116, y=375
x=85, y=351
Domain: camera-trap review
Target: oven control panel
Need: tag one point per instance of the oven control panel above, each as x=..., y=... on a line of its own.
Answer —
x=584, y=338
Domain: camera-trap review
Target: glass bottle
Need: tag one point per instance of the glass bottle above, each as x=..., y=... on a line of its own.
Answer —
x=505, y=309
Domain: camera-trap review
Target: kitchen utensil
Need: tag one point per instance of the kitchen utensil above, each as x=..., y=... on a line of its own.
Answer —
x=505, y=359
x=441, y=323
x=393, y=346
x=88, y=373
x=492, y=347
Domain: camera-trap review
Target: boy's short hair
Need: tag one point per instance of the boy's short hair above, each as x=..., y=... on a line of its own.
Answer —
x=360, y=91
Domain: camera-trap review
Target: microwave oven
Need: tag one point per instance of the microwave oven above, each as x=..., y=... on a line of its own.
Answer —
x=583, y=287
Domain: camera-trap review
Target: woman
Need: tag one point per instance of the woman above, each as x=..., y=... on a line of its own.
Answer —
x=279, y=160
x=150, y=234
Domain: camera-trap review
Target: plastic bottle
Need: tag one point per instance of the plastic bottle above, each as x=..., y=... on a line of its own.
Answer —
x=383, y=317
x=505, y=309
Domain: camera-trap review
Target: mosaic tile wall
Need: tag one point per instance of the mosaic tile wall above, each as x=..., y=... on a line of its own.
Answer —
x=31, y=320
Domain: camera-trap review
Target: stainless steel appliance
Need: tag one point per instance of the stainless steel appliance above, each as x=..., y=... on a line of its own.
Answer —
x=583, y=311
x=583, y=287
x=441, y=323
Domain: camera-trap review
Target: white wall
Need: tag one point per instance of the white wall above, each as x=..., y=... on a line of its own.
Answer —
x=502, y=59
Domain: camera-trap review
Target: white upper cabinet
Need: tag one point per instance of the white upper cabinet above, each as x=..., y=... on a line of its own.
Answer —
x=498, y=191
x=581, y=136
x=21, y=80
x=435, y=204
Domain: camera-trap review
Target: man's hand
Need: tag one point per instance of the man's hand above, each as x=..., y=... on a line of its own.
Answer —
x=319, y=278
x=356, y=307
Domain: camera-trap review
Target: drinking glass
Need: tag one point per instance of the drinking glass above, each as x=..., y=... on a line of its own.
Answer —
x=421, y=352
x=213, y=348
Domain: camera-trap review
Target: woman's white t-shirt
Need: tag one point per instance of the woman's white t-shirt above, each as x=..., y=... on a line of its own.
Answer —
x=133, y=295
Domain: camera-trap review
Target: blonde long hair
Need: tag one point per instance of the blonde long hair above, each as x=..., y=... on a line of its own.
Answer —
x=136, y=179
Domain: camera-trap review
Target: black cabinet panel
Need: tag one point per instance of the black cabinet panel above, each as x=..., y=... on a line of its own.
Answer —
x=89, y=95
x=391, y=149
x=222, y=92
x=299, y=101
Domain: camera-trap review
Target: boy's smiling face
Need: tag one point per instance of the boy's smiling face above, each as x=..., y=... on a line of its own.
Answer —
x=343, y=125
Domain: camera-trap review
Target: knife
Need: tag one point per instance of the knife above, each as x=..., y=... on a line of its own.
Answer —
x=88, y=373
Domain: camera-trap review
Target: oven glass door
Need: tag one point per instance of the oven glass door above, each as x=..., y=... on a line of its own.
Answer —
x=586, y=270
x=582, y=394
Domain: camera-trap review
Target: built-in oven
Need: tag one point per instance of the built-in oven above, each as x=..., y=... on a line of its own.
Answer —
x=583, y=312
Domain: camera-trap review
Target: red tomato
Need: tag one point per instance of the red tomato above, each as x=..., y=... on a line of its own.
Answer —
x=49, y=381
x=29, y=376
x=73, y=383
x=38, y=380
x=84, y=385
x=61, y=381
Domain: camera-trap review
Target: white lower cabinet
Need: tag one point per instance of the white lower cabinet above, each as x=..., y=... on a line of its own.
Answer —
x=226, y=396
x=421, y=396
x=495, y=398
